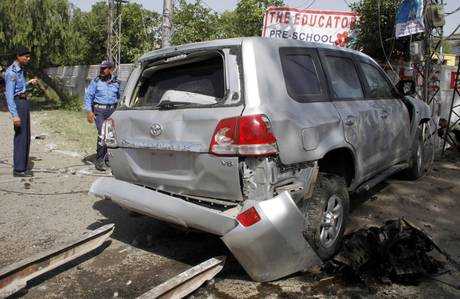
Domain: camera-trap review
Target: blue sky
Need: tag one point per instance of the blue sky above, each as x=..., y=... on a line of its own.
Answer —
x=221, y=5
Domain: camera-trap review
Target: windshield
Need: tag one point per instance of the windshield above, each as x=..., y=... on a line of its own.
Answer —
x=198, y=82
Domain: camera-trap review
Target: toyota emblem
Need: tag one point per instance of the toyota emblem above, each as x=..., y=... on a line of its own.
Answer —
x=156, y=130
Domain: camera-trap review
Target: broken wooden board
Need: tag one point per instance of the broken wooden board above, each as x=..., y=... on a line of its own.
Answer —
x=188, y=281
x=13, y=278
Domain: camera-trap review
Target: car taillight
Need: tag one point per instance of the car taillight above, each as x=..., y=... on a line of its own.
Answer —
x=109, y=136
x=248, y=217
x=249, y=135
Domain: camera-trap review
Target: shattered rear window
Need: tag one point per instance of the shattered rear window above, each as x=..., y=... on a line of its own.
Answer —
x=188, y=81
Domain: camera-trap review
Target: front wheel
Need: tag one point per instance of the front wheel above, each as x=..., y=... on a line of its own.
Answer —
x=326, y=214
x=422, y=153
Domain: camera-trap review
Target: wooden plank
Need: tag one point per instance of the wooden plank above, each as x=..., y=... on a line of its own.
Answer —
x=15, y=277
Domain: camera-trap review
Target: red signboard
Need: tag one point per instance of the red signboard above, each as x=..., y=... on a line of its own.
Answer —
x=310, y=25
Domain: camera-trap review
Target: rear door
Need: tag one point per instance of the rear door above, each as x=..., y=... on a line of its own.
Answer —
x=164, y=132
x=394, y=114
x=360, y=116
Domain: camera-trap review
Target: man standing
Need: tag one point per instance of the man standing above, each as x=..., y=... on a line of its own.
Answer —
x=101, y=99
x=18, y=105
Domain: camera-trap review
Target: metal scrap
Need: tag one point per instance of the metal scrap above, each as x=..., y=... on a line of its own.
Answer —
x=13, y=278
x=188, y=281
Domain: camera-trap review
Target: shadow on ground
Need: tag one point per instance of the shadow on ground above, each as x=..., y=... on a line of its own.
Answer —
x=89, y=159
x=175, y=243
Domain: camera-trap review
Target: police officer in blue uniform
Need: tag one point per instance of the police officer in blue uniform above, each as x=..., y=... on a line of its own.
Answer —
x=101, y=99
x=18, y=105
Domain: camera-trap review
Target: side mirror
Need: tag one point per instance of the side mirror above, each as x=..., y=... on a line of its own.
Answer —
x=406, y=87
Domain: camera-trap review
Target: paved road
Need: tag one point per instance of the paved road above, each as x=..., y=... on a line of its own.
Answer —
x=40, y=213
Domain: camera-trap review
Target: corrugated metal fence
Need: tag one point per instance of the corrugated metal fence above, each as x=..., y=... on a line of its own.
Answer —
x=76, y=78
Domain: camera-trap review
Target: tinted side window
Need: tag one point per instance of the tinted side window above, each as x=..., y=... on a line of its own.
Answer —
x=344, y=77
x=377, y=84
x=301, y=75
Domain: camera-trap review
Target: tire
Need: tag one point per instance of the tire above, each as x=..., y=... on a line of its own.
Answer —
x=421, y=159
x=329, y=203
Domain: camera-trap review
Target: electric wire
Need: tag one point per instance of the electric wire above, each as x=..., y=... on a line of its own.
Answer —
x=452, y=12
x=381, y=41
x=453, y=32
x=311, y=4
x=347, y=3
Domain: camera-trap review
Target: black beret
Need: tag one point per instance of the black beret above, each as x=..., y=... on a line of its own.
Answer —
x=21, y=51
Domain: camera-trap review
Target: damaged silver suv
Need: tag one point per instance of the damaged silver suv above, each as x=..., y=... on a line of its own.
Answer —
x=260, y=142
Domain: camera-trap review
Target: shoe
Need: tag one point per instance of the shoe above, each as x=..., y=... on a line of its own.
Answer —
x=22, y=174
x=100, y=165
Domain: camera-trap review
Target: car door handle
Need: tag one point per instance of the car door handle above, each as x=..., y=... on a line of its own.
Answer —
x=384, y=114
x=350, y=120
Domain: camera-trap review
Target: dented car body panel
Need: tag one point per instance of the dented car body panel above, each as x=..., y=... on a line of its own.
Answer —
x=178, y=159
x=165, y=164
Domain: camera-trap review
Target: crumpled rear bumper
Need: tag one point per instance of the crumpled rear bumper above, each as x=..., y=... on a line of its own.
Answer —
x=269, y=249
x=274, y=247
x=162, y=206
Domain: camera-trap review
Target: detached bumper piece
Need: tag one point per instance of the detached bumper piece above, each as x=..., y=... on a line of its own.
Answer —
x=162, y=206
x=268, y=243
x=274, y=246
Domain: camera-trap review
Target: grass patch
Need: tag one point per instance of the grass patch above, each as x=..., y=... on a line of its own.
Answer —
x=69, y=130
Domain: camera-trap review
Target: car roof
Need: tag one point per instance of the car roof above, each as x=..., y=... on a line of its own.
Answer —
x=222, y=43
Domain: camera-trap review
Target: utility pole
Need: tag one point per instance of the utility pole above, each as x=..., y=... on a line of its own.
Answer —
x=110, y=5
x=433, y=39
x=114, y=18
x=166, y=27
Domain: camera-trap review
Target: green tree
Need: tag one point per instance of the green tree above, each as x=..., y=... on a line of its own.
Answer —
x=249, y=15
x=140, y=29
x=194, y=22
x=376, y=26
x=44, y=26
x=93, y=27
x=60, y=34
x=140, y=32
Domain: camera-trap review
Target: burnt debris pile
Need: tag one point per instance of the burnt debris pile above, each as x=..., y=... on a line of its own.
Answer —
x=398, y=251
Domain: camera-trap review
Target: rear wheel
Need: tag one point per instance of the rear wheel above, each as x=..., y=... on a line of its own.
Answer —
x=326, y=214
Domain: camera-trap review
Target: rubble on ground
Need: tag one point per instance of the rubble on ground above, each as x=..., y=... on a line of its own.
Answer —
x=396, y=252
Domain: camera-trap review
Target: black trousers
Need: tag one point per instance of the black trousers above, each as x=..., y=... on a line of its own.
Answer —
x=101, y=115
x=22, y=136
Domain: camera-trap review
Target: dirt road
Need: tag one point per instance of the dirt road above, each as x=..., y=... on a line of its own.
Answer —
x=39, y=213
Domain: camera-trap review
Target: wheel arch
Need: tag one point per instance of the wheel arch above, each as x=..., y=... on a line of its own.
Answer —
x=340, y=161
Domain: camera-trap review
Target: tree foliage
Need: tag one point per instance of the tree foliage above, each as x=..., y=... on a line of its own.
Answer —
x=376, y=26
x=194, y=22
x=60, y=34
x=44, y=26
x=139, y=31
x=249, y=16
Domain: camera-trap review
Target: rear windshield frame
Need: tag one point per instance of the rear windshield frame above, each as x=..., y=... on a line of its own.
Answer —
x=230, y=97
